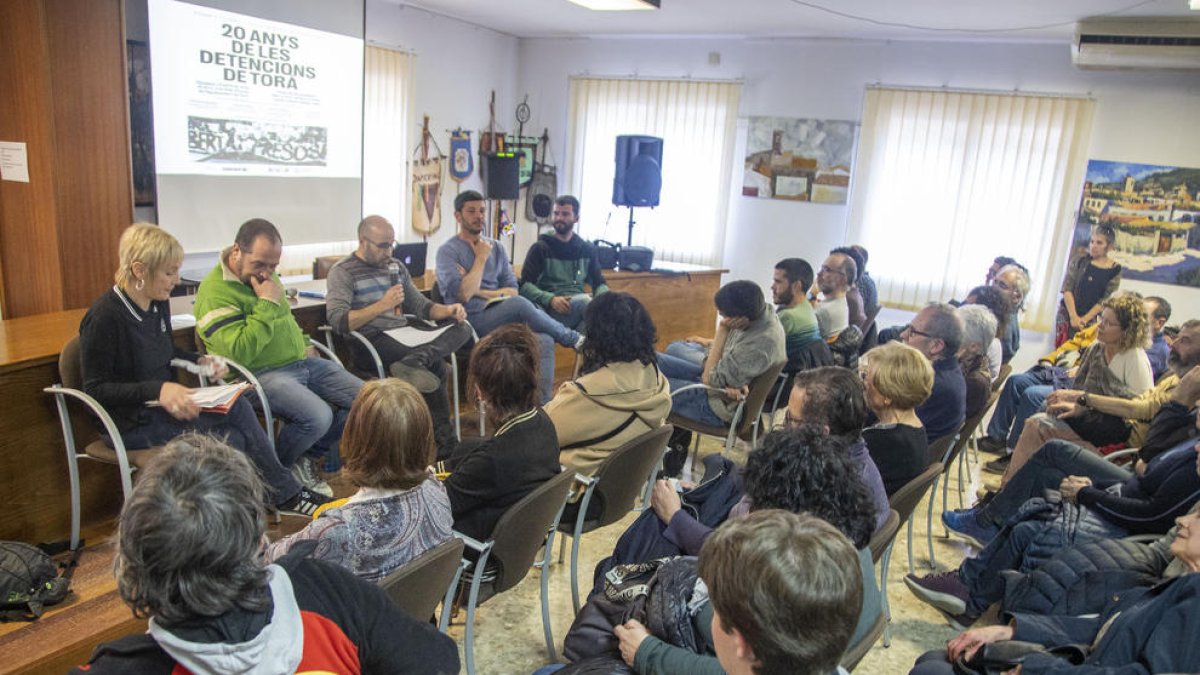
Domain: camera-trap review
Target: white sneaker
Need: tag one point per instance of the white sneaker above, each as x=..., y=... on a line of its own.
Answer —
x=306, y=473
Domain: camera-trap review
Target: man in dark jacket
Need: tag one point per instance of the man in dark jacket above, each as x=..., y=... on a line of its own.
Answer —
x=189, y=557
x=559, y=264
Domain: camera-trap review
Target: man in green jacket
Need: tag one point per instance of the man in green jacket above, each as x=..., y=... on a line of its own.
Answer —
x=241, y=313
x=559, y=264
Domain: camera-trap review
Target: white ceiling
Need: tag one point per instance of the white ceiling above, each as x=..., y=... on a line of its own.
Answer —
x=1039, y=20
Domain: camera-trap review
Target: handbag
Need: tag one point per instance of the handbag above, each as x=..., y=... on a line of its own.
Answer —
x=1000, y=657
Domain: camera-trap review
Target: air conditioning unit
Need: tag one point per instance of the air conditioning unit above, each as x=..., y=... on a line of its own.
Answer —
x=1171, y=43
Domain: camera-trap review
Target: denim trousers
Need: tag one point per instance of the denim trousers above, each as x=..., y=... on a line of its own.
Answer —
x=239, y=428
x=1022, y=396
x=519, y=310
x=680, y=372
x=1045, y=471
x=573, y=319
x=312, y=396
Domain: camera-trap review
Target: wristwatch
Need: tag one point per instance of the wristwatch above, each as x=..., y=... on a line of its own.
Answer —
x=1083, y=400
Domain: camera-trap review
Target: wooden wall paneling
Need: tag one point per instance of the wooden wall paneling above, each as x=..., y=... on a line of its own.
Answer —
x=93, y=175
x=28, y=236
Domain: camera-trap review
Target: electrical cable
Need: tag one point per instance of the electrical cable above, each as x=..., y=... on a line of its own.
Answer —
x=897, y=24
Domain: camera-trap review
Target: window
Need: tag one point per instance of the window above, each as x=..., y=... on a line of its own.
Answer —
x=387, y=97
x=697, y=122
x=945, y=181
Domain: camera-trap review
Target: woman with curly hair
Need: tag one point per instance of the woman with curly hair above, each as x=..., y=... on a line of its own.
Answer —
x=802, y=469
x=1114, y=365
x=619, y=394
x=998, y=304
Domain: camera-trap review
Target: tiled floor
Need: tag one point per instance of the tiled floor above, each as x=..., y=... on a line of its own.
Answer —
x=509, y=630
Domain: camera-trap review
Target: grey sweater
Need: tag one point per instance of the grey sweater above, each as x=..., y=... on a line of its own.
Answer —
x=747, y=354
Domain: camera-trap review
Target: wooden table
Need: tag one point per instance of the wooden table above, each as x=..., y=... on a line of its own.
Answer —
x=33, y=465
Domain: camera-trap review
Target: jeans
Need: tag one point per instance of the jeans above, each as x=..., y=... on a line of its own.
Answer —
x=519, y=310
x=239, y=428
x=432, y=357
x=692, y=404
x=313, y=396
x=1022, y=396
x=688, y=351
x=573, y=319
x=981, y=574
x=1045, y=470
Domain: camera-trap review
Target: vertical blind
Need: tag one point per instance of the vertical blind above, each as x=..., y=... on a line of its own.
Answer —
x=387, y=99
x=697, y=122
x=945, y=181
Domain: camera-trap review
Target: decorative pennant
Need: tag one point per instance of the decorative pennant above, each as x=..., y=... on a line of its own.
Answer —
x=462, y=164
x=426, y=195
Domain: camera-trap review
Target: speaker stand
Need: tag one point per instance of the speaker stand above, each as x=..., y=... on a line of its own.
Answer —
x=632, y=222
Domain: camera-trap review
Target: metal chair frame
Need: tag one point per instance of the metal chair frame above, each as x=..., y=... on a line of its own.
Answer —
x=740, y=413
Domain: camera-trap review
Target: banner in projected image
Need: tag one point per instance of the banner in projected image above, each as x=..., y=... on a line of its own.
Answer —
x=239, y=95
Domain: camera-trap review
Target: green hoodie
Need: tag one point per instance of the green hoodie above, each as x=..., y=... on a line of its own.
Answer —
x=560, y=268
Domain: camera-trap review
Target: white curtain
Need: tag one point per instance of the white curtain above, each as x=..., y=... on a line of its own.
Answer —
x=945, y=181
x=387, y=100
x=697, y=122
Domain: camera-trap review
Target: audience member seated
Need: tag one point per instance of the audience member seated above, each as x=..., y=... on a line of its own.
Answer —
x=789, y=282
x=619, y=394
x=558, y=265
x=767, y=576
x=1025, y=393
x=1058, y=460
x=1114, y=367
x=833, y=282
x=996, y=303
x=126, y=352
x=1090, y=280
x=1137, y=631
x=855, y=304
x=937, y=332
x=371, y=292
x=979, y=329
x=242, y=314
x=898, y=378
x=189, y=557
x=801, y=470
x=866, y=285
x=474, y=270
x=1013, y=281
x=1160, y=312
x=1084, y=510
x=400, y=510
x=488, y=475
x=835, y=399
x=748, y=341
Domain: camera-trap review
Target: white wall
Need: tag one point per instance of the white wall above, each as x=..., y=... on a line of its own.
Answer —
x=1140, y=117
x=457, y=67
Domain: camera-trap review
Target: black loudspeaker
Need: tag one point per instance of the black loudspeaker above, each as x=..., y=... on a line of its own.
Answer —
x=638, y=178
x=501, y=176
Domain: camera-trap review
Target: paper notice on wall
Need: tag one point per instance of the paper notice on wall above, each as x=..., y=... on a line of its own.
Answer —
x=14, y=162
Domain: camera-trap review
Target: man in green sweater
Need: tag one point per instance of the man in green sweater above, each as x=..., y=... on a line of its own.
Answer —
x=242, y=314
x=558, y=265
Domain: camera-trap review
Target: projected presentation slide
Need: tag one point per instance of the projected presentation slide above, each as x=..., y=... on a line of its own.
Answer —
x=237, y=95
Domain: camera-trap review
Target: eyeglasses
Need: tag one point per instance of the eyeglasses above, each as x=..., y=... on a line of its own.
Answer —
x=382, y=245
x=922, y=333
x=828, y=270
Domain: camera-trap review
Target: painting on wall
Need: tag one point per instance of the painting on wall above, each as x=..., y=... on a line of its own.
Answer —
x=799, y=159
x=1154, y=211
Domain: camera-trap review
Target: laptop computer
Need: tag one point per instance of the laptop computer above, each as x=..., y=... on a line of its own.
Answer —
x=413, y=257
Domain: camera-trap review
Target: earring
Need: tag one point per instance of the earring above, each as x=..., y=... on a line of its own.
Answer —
x=140, y=284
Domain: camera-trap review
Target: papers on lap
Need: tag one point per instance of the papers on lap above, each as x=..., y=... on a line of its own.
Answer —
x=414, y=336
x=217, y=399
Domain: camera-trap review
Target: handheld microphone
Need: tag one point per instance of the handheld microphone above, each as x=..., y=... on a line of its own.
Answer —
x=394, y=272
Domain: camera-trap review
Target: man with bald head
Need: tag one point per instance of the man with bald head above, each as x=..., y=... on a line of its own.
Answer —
x=371, y=292
x=833, y=281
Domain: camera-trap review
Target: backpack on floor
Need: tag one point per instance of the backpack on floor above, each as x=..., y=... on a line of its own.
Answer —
x=29, y=580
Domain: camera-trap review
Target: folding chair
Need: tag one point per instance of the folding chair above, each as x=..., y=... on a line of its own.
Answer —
x=432, y=577
x=745, y=421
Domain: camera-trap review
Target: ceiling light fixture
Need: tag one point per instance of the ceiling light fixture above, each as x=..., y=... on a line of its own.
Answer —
x=627, y=5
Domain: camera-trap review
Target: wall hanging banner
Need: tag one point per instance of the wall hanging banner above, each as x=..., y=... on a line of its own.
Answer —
x=462, y=164
x=543, y=188
x=427, y=195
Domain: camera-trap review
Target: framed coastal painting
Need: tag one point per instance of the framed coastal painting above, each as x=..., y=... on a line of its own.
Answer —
x=1154, y=211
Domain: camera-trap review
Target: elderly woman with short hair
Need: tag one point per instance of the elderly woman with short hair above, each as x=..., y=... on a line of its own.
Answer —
x=126, y=352
x=898, y=378
x=979, y=329
x=400, y=510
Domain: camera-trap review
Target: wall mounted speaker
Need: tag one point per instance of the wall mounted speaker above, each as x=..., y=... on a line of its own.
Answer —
x=638, y=176
x=500, y=176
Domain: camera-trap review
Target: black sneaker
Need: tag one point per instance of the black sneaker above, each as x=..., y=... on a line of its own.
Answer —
x=304, y=504
x=992, y=445
x=998, y=466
